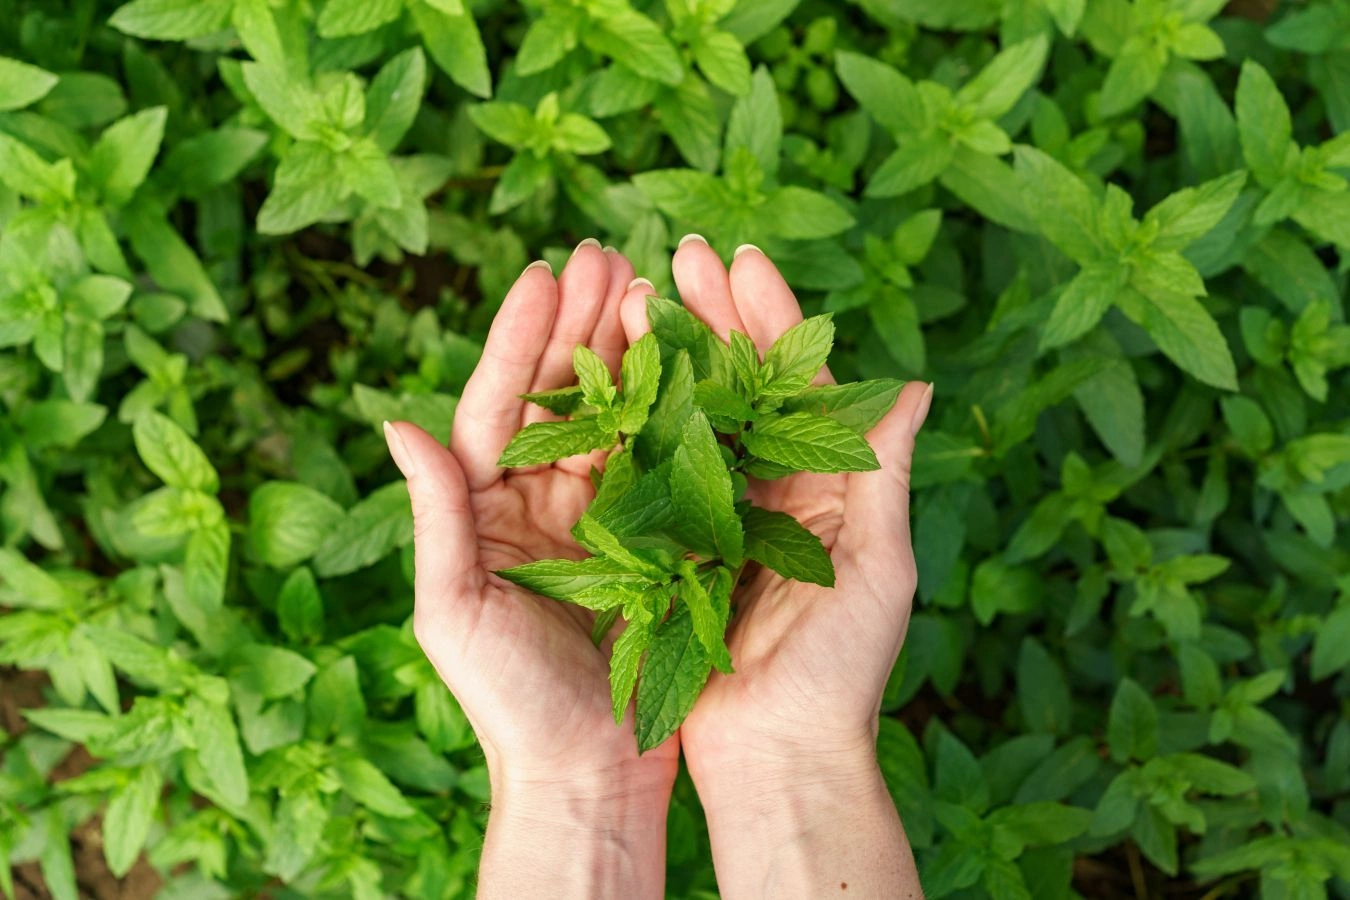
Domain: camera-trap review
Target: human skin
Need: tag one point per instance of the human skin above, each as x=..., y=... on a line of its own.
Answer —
x=783, y=751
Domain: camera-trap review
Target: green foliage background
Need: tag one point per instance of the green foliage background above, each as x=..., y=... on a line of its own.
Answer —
x=236, y=235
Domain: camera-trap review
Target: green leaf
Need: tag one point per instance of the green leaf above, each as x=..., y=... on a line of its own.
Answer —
x=1065, y=211
x=394, y=96
x=624, y=661
x=1000, y=84
x=1264, y=125
x=1132, y=724
x=756, y=124
x=130, y=813
x=810, y=443
x=59, y=423
x=1082, y=303
x=702, y=496
x=799, y=214
x=1133, y=75
x=371, y=529
x=171, y=20
x=915, y=163
x=780, y=542
x=562, y=401
x=1186, y=334
x=288, y=522
x=300, y=606
x=884, y=93
x=370, y=787
x=562, y=579
x=22, y=84
x=676, y=669
x=166, y=450
x=342, y=18
x=708, y=615
x=1190, y=213
x=309, y=183
x=1042, y=692
x=858, y=406
x=213, y=730
x=722, y=59
x=1331, y=647
x=796, y=358
x=122, y=157
x=454, y=42
x=546, y=442
x=206, y=565
x=636, y=42
x=640, y=375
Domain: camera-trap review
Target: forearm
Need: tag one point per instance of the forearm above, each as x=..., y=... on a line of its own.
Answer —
x=808, y=828
x=588, y=837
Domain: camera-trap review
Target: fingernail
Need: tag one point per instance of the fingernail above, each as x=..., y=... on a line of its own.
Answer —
x=638, y=282
x=691, y=238
x=540, y=264
x=744, y=247
x=921, y=411
x=608, y=249
x=399, y=451
x=589, y=242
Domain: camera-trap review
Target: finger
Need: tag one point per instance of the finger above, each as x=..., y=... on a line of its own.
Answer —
x=703, y=285
x=490, y=408
x=609, y=343
x=608, y=340
x=448, y=576
x=764, y=301
x=876, y=522
x=581, y=293
x=633, y=309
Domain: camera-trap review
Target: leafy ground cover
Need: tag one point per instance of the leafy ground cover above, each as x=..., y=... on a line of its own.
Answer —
x=237, y=235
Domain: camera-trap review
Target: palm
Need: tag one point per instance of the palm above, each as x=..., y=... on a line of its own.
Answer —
x=801, y=652
x=523, y=667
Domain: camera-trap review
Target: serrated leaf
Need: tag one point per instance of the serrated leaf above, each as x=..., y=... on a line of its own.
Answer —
x=561, y=579
x=709, y=617
x=676, y=669
x=810, y=443
x=702, y=496
x=780, y=542
x=640, y=375
x=546, y=442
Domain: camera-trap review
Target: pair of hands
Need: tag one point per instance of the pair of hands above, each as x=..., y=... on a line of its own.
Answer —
x=774, y=745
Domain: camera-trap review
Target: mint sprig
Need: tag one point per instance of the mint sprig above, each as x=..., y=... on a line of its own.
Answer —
x=669, y=530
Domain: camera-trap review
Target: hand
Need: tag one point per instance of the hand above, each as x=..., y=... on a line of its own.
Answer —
x=523, y=667
x=810, y=662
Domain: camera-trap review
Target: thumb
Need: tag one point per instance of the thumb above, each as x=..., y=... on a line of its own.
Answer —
x=448, y=575
x=877, y=503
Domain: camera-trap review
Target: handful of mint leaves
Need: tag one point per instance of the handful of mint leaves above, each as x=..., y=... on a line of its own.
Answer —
x=670, y=528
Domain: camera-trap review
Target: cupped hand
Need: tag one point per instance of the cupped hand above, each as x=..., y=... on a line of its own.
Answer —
x=522, y=666
x=810, y=662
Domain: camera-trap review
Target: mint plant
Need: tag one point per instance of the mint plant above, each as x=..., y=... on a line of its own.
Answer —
x=671, y=530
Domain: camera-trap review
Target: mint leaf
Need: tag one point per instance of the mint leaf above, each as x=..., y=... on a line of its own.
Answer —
x=1186, y=333
x=624, y=661
x=858, y=406
x=702, y=496
x=721, y=402
x=676, y=669
x=796, y=358
x=22, y=84
x=780, y=542
x=644, y=509
x=1264, y=125
x=710, y=620
x=640, y=374
x=664, y=428
x=1083, y=302
x=561, y=579
x=597, y=385
x=810, y=443
x=546, y=442
x=598, y=539
x=563, y=401
x=166, y=450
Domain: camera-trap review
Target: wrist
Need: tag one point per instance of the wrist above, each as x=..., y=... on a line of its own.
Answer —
x=621, y=796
